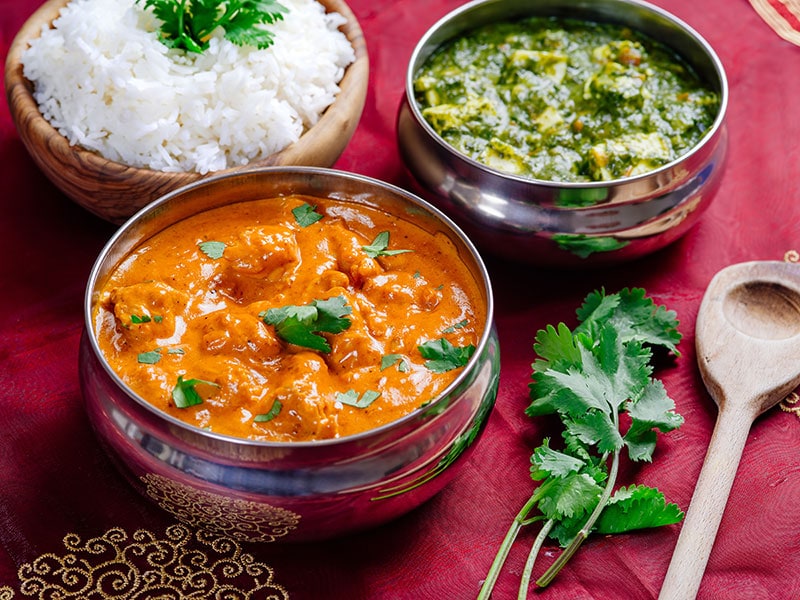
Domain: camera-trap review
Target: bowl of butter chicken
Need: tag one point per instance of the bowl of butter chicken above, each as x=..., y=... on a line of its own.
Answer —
x=289, y=353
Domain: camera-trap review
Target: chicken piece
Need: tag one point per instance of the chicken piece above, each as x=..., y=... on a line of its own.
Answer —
x=263, y=250
x=401, y=290
x=350, y=256
x=147, y=311
x=224, y=332
x=306, y=410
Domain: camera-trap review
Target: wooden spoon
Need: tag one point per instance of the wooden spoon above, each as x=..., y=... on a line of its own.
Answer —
x=748, y=346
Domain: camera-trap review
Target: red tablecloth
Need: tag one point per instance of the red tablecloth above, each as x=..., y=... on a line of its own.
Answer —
x=58, y=490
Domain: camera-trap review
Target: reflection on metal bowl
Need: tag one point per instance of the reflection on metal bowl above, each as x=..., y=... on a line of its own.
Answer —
x=527, y=219
x=270, y=491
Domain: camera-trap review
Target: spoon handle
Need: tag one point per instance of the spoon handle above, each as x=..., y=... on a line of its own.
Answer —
x=708, y=503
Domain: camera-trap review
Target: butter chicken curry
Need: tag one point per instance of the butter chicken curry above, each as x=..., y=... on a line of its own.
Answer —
x=290, y=319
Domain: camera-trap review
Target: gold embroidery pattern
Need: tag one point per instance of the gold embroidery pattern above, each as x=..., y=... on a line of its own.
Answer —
x=790, y=405
x=237, y=519
x=180, y=566
x=792, y=256
x=6, y=593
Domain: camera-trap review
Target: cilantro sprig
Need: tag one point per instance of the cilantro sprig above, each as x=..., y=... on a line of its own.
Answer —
x=352, y=398
x=301, y=325
x=273, y=412
x=145, y=318
x=185, y=393
x=389, y=360
x=212, y=249
x=306, y=215
x=589, y=377
x=443, y=356
x=380, y=245
x=188, y=24
x=584, y=246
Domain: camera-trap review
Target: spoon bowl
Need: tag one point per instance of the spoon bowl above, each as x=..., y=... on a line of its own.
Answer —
x=748, y=341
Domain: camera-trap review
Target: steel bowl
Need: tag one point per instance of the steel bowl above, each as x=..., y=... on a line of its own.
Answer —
x=525, y=219
x=270, y=491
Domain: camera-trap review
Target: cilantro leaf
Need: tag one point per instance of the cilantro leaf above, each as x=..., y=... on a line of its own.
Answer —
x=306, y=215
x=300, y=325
x=273, y=412
x=296, y=327
x=351, y=398
x=212, y=249
x=557, y=348
x=443, y=356
x=547, y=462
x=184, y=393
x=637, y=507
x=634, y=316
x=652, y=410
x=188, y=24
x=595, y=427
x=241, y=27
x=379, y=246
x=569, y=495
x=153, y=356
x=584, y=246
x=566, y=528
x=462, y=323
x=331, y=314
x=149, y=358
x=389, y=360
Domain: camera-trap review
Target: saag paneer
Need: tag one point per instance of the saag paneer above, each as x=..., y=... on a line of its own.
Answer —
x=564, y=100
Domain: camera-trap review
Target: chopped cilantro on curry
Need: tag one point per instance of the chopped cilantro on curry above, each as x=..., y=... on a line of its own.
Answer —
x=564, y=100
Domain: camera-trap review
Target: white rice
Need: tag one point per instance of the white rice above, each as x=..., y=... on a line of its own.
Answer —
x=103, y=79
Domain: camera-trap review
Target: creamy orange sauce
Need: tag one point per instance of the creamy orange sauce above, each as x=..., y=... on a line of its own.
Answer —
x=173, y=310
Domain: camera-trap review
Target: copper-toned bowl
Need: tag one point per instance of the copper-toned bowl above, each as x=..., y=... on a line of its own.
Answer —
x=115, y=191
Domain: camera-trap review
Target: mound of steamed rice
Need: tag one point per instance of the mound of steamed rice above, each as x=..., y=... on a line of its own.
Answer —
x=106, y=83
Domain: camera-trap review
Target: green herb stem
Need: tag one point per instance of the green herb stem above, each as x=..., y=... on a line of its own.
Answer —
x=532, y=555
x=505, y=547
x=550, y=574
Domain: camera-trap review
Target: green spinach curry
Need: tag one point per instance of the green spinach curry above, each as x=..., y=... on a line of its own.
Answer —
x=564, y=100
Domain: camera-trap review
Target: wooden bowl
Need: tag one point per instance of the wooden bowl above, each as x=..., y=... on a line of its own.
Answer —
x=115, y=191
